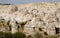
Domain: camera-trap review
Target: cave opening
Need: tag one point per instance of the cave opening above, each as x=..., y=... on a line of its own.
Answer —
x=40, y=29
x=34, y=28
x=57, y=30
x=45, y=33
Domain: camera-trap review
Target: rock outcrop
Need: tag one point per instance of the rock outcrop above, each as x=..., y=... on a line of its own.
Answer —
x=31, y=18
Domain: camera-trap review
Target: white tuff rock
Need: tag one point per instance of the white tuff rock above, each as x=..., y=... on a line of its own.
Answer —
x=37, y=15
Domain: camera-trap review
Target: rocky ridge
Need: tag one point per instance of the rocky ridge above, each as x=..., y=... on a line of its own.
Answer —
x=32, y=18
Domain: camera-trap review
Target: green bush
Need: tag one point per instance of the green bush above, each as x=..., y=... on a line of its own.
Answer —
x=10, y=35
x=19, y=35
x=2, y=35
x=5, y=35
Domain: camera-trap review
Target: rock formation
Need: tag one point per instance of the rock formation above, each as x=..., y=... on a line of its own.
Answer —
x=31, y=18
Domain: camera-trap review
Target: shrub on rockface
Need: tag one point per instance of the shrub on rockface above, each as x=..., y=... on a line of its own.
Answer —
x=19, y=35
x=1, y=35
x=10, y=35
x=5, y=35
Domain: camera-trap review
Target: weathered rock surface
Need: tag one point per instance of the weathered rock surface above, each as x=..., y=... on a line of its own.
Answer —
x=31, y=17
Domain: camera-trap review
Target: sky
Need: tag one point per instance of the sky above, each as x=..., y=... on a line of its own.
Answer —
x=25, y=1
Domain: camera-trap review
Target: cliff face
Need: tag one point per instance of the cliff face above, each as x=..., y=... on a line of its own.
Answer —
x=30, y=18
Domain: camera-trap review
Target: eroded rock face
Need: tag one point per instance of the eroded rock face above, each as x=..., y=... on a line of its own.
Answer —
x=32, y=16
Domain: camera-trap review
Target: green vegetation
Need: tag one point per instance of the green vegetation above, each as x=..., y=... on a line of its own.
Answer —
x=22, y=35
x=5, y=35
x=10, y=35
x=19, y=35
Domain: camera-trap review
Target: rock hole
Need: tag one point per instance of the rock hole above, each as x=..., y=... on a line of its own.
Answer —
x=57, y=30
x=17, y=22
x=34, y=28
x=22, y=24
x=45, y=33
x=40, y=29
x=18, y=27
x=8, y=23
x=35, y=10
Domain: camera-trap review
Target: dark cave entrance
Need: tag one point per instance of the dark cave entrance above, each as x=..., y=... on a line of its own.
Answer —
x=57, y=30
x=45, y=33
x=40, y=29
